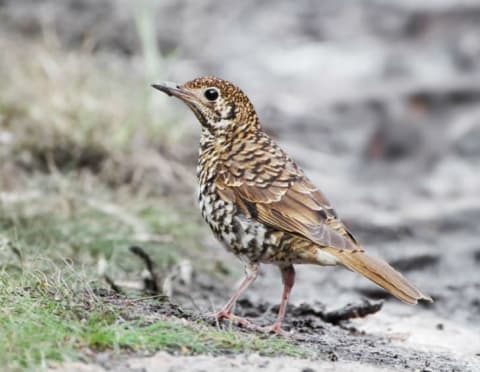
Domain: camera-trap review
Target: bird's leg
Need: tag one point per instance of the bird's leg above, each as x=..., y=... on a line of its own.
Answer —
x=288, y=278
x=251, y=272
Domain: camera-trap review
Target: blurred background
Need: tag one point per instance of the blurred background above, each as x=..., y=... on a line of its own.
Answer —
x=378, y=100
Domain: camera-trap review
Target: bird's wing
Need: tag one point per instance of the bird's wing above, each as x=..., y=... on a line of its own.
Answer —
x=273, y=189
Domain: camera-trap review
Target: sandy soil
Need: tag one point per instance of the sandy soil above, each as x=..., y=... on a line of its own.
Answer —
x=241, y=363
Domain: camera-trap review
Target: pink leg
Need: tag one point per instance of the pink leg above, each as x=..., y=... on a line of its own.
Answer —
x=251, y=272
x=288, y=277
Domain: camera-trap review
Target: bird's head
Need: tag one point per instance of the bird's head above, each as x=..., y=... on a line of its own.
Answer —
x=219, y=105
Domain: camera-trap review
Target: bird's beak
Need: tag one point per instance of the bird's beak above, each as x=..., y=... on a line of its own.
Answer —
x=173, y=89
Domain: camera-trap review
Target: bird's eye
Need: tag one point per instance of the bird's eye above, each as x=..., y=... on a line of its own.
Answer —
x=211, y=94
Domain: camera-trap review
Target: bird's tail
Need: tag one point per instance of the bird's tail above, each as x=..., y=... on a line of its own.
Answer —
x=381, y=273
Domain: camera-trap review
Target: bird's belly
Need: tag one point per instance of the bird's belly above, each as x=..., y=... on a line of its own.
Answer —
x=246, y=238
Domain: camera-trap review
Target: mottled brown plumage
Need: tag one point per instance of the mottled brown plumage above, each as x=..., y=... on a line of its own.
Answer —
x=259, y=203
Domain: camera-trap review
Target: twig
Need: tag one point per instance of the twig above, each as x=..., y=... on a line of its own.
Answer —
x=351, y=311
x=112, y=284
x=154, y=284
x=16, y=251
x=148, y=298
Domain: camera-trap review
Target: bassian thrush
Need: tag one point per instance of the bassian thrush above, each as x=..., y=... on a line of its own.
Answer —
x=259, y=203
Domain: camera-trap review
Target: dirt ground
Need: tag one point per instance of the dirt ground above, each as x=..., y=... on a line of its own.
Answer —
x=380, y=103
x=392, y=339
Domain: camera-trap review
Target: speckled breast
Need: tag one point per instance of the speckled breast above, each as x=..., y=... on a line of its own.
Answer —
x=245, y=238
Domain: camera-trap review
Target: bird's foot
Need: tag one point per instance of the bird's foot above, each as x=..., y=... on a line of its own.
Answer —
x=242, y=322
x=275, y=328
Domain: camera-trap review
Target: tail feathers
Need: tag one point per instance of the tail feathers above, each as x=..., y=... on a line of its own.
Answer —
x=381, y=273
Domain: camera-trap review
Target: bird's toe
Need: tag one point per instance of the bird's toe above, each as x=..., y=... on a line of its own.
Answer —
x=242, y=322
x=275, y=329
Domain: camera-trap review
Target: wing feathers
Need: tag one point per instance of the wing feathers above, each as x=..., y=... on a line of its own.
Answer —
x=299, y=209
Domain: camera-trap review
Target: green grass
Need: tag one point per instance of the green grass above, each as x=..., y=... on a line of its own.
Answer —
x=43, y=320
x=187, y=339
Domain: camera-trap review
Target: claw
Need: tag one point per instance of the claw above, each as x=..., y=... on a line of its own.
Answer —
x=220, y=315
x=242, y=322
x=275, y=329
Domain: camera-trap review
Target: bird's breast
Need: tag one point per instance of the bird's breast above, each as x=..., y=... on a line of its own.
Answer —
x=244, y=237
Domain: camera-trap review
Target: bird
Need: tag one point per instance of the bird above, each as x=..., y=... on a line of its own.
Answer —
x=260, y=204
